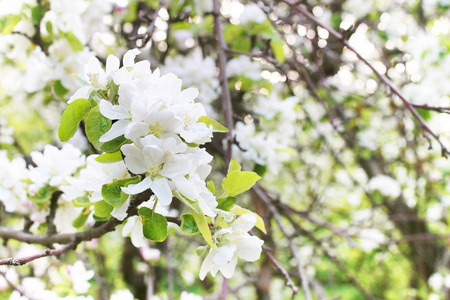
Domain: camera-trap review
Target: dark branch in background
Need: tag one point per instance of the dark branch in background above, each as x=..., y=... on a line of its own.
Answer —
x=283, y=271
x=51, y=216
x=48, y=252
x=151, y=27
x=301, y=269
x=302, y=10
x=226, y=98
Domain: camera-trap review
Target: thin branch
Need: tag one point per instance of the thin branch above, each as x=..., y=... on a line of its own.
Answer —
x=226, y=97
x=15, y=287
x=47, y=252
x=283, y=271
x=439, y=109
x=302, y=10
x=301, y=268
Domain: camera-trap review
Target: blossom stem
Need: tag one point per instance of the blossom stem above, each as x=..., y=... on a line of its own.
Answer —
x=223, y=294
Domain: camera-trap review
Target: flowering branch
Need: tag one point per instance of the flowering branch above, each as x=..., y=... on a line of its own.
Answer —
x=302, y=10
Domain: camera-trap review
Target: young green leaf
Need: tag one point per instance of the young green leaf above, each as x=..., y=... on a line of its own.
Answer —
x=203, y=227
x=278, y=51
x=154, y=225
x=59, y=88
x=238, y=182
x=96, y=126
x=82, y=202
x=102, y=209
x=74, y=42
x=7, y=23
x=112, y=192
x=217, y=127
x=115, y=144
x=234, y=166
x=82, y=218
x=226, y=203
x=188, y=225
x=71, y=117
x=37, y=13
x=211, y=187
x=108, y=158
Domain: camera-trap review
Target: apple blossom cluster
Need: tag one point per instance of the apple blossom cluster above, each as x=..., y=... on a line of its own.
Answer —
x=268, y=139
x=157, y=128
x=198, y=72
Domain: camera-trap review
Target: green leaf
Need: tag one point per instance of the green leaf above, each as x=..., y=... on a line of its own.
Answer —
x=8, y=23
x=74, y=42
x=226, y=203
x=37, y=13
x=112, y=192
x=115, y=144
x=203, y=226
x=259, y=221
x=188, y=225
x=238, y=182
x=217, y=127
x=108, y=158
x=278, y=51
x=82, y=218
x=82, y=202
x=96, y=126
x=154, y=225
x=102, y=209
x=260, y=169
x=234, y=166
x=242, y=43
x=71, y=117
x=211, y=187
x=59, y=88
x=44, y=194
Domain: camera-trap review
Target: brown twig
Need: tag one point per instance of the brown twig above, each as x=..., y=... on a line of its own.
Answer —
x=48, y=252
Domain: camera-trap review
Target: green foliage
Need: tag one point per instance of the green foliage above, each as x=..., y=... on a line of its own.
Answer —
x=188, y=225
x=59, y=88
x=154, y=225
x=43, y=195
x=96, y=126
x=82, y=202
x=278, y=51
x=8, y=22
x=217, y=127
x=82, y=218
x=112, y=192
x=115, y=144
x=102, y=209
x=37, y=13
x=74, y=42
x=226, y=203
x=203, y=226
x=108, y=158
x=71, y=117
x=238, y=182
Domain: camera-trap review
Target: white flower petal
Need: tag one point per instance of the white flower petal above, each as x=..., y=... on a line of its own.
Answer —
x=134, y=189
x=117, y=129
x=249, y=248
x=162, y=190
x=224, y=254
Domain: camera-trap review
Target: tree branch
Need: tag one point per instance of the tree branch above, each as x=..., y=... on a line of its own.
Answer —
x=47, y=252
x=226, y=97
